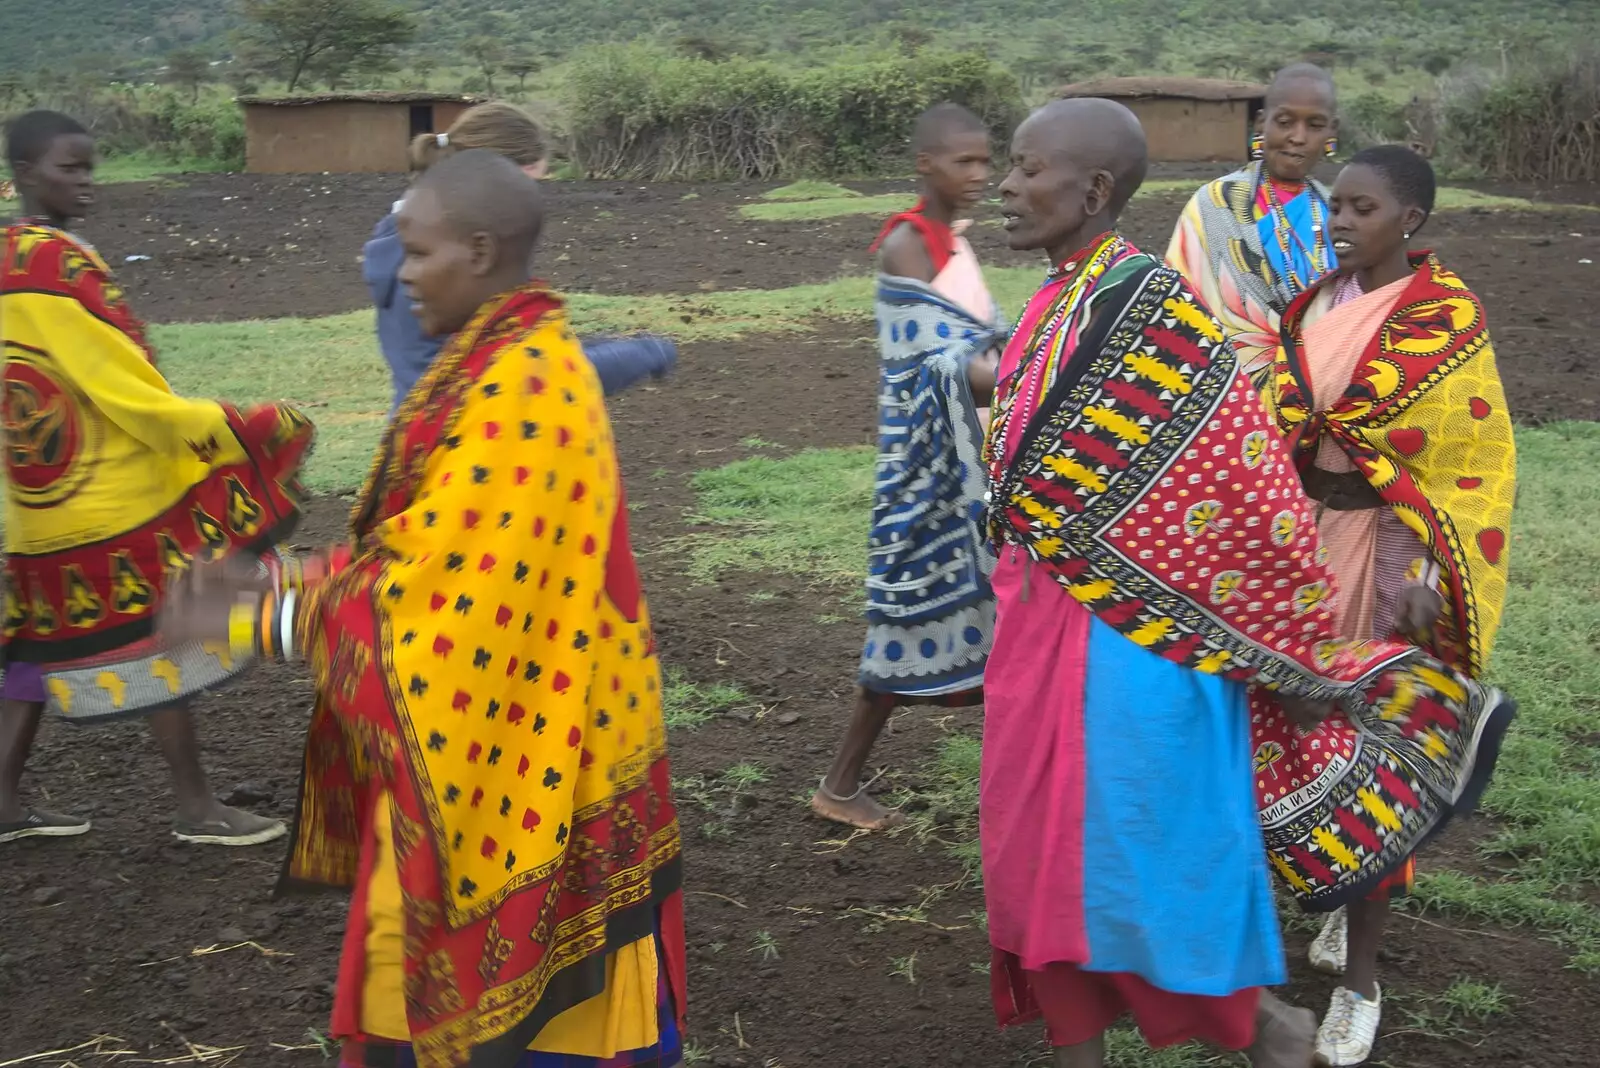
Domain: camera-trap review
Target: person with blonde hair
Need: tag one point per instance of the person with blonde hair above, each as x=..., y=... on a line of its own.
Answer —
x=508, y=131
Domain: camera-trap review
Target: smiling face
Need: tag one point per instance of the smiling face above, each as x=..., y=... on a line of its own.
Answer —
x=60, y=184
x=958, y=169
x=1295, y=128
x=444, y=269
x=1046, y=199
x=1367, y=221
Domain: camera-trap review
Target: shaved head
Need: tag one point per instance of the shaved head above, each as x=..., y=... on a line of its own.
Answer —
x=1096, y=135
x=1075, y=164
x=468, y=227
x=483, y=192
x=1298, y=78
x=936, y=126
x=1299, y=121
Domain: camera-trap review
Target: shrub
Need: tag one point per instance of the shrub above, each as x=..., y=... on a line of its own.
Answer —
x=1371, y=118
x=161, y=122
x=1535, y=123
x=642, y=113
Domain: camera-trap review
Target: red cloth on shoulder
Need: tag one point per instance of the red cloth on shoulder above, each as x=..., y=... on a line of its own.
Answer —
x=937, y=237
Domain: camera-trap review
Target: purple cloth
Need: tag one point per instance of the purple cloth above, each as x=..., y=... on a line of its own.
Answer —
x=23, y=682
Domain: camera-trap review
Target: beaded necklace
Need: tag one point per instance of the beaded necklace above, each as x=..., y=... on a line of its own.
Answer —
x=1316, y=255
x=1046, y=342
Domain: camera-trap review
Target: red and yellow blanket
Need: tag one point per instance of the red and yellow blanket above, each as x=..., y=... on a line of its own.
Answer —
x=486, y=660
x=114, y=483
x=1425, y=420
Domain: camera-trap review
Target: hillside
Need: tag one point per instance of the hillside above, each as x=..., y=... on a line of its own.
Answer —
x=1055, y=37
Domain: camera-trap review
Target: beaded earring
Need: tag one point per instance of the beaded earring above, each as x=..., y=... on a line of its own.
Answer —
x=1257, y=146
x=1333, y=147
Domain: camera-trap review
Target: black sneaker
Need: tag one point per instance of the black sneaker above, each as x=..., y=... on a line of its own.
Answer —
x=237, y=828
x=36, y=824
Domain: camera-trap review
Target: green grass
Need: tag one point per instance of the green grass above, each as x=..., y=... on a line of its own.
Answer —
x=804, y=514
x=945, y=808
x=1476, y=1001
x=692, y=704
x=810, y=189
x=1453, y=199
x=1125, y=1049
x=805, y=209
x=1548, y=788
x=330, y=367
x=884, y=204
x=150, y=167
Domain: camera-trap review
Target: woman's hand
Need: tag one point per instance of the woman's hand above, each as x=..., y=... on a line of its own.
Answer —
x=1303, y=712
x=982, y=374
x=199, y=604
x=1417, y=610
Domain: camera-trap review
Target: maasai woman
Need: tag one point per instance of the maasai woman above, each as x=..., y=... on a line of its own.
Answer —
x=1254, y=240
x=486, y=764
x=1156, y=552
x=930, y=615
x=113, y=485
x=1387, y=392
x=510, y=131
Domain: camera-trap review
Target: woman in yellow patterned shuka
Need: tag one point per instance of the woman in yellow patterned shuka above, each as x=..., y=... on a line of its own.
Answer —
x=1387, y=391
x=486, y=765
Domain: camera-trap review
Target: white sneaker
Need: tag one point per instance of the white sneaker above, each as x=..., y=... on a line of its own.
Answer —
x=1328, y=948
x=1349, y=1030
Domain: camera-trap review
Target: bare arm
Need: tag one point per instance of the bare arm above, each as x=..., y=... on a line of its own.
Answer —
x=903, y=255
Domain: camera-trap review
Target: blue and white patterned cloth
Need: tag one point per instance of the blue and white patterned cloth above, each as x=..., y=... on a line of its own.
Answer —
x=930, y=612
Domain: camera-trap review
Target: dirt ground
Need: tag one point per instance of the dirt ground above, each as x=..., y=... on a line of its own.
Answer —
x=97, y=934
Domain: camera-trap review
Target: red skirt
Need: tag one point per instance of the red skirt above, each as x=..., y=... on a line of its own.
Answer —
x=1078, y=1006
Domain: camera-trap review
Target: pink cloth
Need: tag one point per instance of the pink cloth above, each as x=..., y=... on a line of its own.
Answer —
x=961, y=282
x=1032, y=782
x=1337, y=331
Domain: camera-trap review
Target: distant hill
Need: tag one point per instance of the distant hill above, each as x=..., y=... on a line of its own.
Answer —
x=1205, y=36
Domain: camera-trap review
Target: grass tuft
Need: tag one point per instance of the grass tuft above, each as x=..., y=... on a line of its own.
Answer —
x=802, y=514
x=691, y=704
x=884, y=204
x=809, y=189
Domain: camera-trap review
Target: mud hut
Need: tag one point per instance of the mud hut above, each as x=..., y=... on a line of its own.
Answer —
x=1187, y=120
x=341, y=133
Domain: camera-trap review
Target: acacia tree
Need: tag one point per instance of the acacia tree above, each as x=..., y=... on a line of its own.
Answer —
x=331, y=37
x=190, y=69
x=521, y=63
x=488, y=55
x=423, y=65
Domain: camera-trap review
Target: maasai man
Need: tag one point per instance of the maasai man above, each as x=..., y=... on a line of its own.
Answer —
x=113, y=486
x=1249, y=243
x=930, y=615
x=510, y=131
x=1156, y=555
x=1387, y=391
x=486, y=765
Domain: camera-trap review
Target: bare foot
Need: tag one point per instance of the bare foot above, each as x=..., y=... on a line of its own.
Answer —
x=1286, y=1037
x=861, y=811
